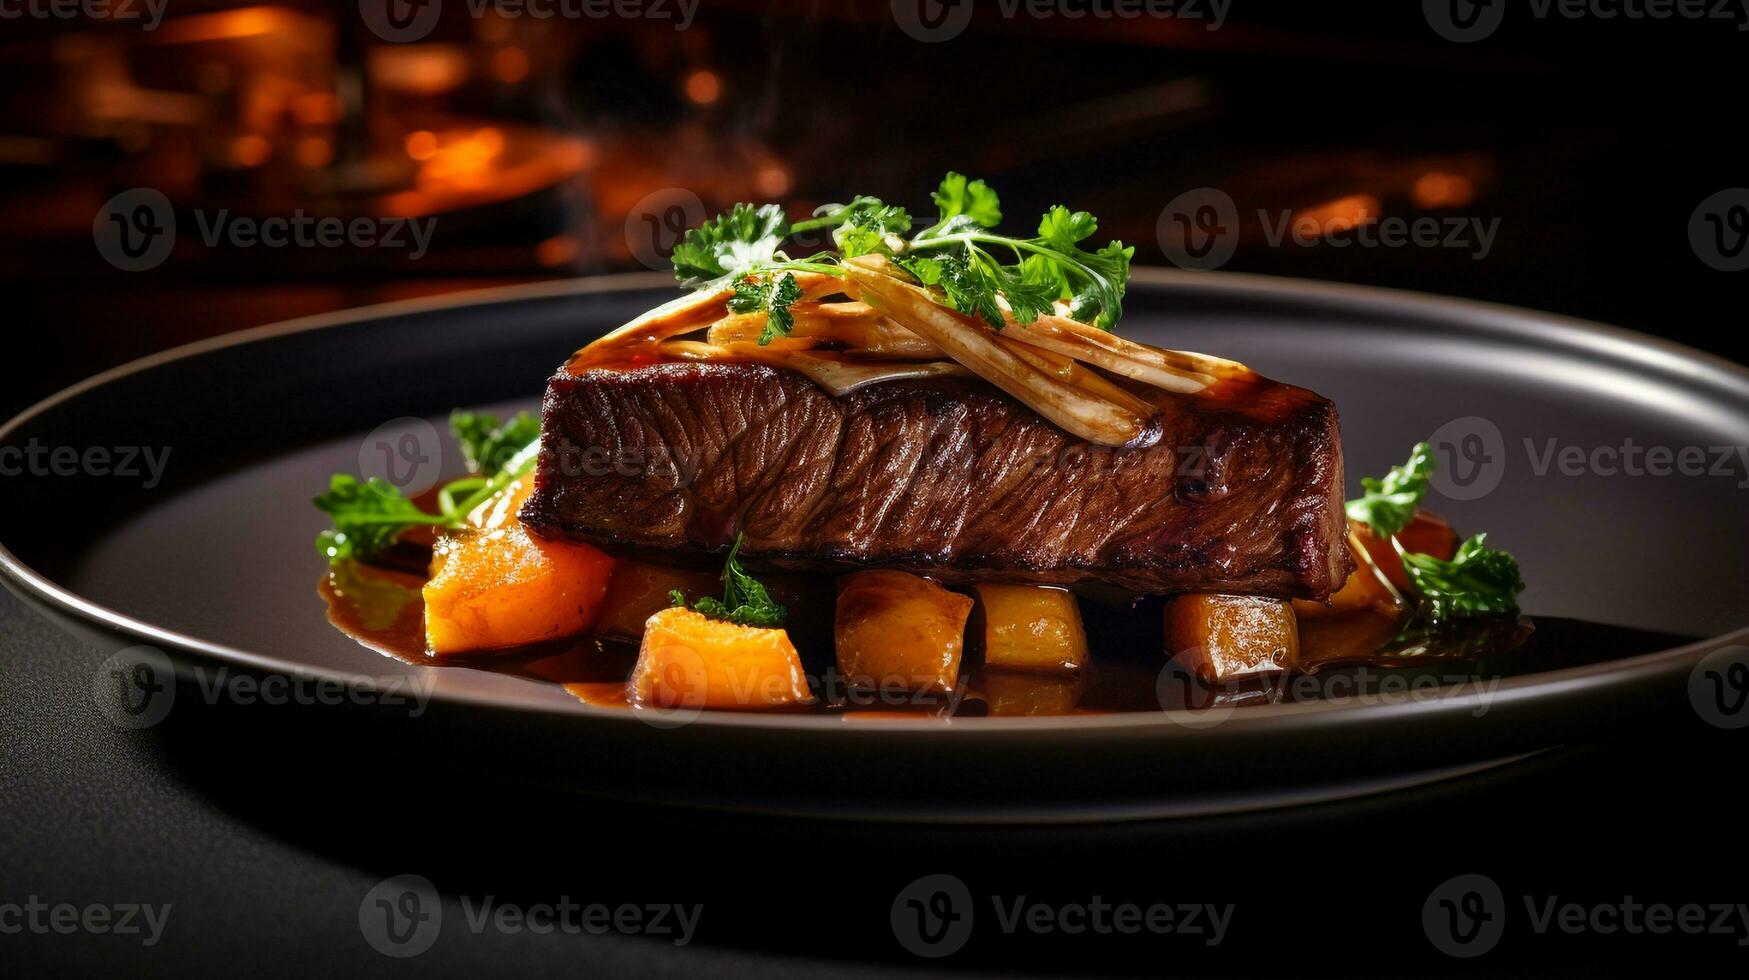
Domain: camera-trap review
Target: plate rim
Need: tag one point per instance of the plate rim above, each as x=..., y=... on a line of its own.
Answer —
x=1518, y=322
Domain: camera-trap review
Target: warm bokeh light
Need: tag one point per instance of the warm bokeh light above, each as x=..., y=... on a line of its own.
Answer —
x=557, y=250
x=510, y=65
x=421, y=144
x=314, y=151
x=1342, y=214
x=1442, y=190
x=772, y=181
x=250, y=151
x=704, y=87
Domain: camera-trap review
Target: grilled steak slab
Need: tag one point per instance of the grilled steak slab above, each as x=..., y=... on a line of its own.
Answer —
x=947, y=477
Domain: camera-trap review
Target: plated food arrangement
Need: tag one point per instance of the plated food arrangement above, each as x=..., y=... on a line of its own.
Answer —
x=920, y=472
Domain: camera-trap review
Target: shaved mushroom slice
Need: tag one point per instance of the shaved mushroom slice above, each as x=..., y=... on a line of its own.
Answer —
x=1074, y=409
x=1179, y=371
x=870, y=333
x=1076, y=374
x=683, y=315
x=836, y=375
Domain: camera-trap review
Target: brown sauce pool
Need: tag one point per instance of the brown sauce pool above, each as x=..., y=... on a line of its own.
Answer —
x=381, y=609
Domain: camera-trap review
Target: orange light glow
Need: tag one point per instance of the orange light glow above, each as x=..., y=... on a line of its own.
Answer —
x=1440, y=190
x=422, y=144
x=557, y=250
x=250, y=151
x=1342, y=214
x=510, y=65
x=704, y=87
x=316, y=108
x=314, y=151
x=422, y=69
x=772, y=181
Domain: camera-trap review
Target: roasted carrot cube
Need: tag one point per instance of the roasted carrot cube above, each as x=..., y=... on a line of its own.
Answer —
x=505, y=587
x=897, y=630
x=1228, y=637
x=1031, y=628
x=688, y=660
x=640, y=589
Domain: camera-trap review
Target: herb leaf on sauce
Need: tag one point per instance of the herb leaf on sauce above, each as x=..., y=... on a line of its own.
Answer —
x=745, y=601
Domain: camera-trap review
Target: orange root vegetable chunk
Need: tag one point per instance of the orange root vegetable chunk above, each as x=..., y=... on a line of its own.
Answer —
x=1424, y=534
x=689, y=660
x=1230, y=637
x=1033, y=628
x=494, y=585
x=640, y=590
x=895, y=630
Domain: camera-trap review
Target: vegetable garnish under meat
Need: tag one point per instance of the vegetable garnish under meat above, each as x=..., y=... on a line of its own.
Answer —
x=928, y=450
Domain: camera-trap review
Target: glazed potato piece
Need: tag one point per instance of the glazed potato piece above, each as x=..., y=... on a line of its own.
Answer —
x=1031, y=628
x=640, y=590
x=688, y=660
x=504, y=587
x=1225, y=638
x=897, y=630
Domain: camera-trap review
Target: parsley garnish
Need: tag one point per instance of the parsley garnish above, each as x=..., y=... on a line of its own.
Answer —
x=1477, y=581
x=772, y=296
x=745, y=602
x=1389, y=504
x=486, y=445
x=370, y=516
x=960, y=254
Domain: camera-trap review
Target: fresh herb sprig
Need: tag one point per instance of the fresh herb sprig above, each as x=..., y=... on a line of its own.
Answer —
x=371, y=515
x=1389, y=504
x=979, y=271
x=1476, y=581
x=745, y=601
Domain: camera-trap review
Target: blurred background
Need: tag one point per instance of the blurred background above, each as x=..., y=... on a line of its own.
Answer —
x=1558, y=163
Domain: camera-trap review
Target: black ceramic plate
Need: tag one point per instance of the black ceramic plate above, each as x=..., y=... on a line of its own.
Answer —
x=215, y=565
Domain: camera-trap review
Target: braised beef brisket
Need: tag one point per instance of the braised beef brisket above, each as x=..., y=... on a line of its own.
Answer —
x=947, y=477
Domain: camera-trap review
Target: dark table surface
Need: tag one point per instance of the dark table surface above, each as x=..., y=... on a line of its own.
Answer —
x=264, y=830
